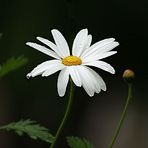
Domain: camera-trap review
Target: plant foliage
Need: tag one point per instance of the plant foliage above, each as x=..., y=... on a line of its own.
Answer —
x=76, y=142
x=31, y=128
x=12, y=64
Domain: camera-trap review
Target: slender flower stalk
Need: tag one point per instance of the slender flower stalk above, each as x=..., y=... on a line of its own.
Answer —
x=128, y=77
x=68, y=109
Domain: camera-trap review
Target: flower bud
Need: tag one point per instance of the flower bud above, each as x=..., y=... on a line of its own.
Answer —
x=128, y=75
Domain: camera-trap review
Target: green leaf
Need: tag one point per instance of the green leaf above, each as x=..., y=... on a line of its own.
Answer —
x=76, y=142
x=12, y=64
x=31, y=128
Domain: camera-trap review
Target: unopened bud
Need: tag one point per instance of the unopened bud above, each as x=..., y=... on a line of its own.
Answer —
x=128, y=75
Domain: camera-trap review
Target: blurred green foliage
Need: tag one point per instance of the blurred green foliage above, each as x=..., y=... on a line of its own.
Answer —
x=12, y=64
x=76, y=142
x=31, y=128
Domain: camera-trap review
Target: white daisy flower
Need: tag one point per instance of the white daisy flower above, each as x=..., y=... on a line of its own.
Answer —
x=76, y=64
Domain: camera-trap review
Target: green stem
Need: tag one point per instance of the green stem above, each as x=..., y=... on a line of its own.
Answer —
x=70, y=100
x=123, y=115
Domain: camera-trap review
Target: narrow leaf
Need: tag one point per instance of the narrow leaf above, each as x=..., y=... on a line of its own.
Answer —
x=31, y=128
x=12, y=64
x=76, y=142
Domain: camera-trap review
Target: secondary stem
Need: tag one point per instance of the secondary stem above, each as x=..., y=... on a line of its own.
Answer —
x=123, y=115
x=70, y=100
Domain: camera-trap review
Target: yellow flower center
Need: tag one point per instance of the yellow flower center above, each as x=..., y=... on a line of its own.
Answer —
x=71, y=60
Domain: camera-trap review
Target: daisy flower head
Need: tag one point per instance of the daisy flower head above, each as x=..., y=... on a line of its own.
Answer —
x=76, y=64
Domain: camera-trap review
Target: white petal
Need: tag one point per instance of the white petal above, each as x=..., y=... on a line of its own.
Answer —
x=97, y=46
x=79, y=42
x=61, y=43
x=87, y=44
x=86, y=81
x=95, y=83
x=108, y=47
x=50, y=44
x=98, y=56
x=63, y=79
x=100, y=52
x=43, y=67
x=53, y=69
x=103, y=49
x=73, y=70
x=43, y=49
x=89, y=40
x=99, y=79
x=102, y=65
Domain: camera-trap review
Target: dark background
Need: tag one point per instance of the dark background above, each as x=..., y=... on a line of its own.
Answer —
x=92, y=118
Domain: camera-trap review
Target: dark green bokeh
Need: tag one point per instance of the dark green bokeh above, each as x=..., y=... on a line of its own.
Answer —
x=125, y=20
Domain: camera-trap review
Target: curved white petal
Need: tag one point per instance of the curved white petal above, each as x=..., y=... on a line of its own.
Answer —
x=102, y=51
x=88, y=43
x=63, y=79
x=73, y=71
x=95, y=83
x=53, y=69
x=43, y=67
x=108, y=47
x=99, y=79
x=86, y=79
x=43, y=49
x=50, y=44
x=61, y=43
x=89, y=40
x=97, y=46
x=102, y=65
x=98, y=56
x=79, y=42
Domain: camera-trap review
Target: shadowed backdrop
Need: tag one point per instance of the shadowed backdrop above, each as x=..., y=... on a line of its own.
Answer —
x=92, y=118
